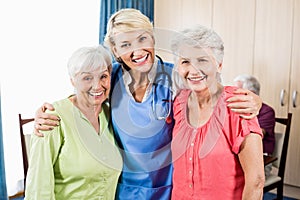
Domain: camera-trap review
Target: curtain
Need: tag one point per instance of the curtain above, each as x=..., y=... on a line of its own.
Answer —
x=108, y=7
x=3, y=191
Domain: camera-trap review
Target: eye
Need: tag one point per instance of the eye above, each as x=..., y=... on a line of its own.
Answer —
x=104, y=76
x=88, y=78
x=184, y=62
x=202, y=60
x=143, y=38
x=125, y=45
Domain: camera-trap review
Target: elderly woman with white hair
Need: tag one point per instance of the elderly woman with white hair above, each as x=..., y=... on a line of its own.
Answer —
x=79, y=158
x=216, y=153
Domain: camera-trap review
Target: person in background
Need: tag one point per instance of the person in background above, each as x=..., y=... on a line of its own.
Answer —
x=78, y=159
x=212, y=147
x=141, y=108
x=266, y=116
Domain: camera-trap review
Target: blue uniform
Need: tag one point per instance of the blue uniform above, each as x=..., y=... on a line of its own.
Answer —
x=143, y=138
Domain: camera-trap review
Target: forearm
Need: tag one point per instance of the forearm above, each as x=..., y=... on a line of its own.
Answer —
x=253, y=190
x=251, y=159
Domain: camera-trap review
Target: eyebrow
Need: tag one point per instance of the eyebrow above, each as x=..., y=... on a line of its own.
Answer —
x=106, y=70
x=126, y=41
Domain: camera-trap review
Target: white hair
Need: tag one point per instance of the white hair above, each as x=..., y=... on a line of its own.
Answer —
x=249, y=82
x=89, y=58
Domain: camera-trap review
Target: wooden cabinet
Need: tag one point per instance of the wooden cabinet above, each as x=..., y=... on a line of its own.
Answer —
x=234, y=21
x=276, y=64
x=293, y=158
x=172, y=15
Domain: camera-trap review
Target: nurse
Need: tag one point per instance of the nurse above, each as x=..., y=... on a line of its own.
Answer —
x=141, y=108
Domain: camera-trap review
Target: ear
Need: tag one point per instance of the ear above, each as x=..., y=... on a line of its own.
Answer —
x=220, y=66
x=72, y=81
x=115, y=52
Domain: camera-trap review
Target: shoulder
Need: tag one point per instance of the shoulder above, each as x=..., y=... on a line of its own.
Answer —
x=61, y=103
x=181, y=98
x=167, y=65
x=266, y=111
x=115, y=67
x=61, y=106
x=229, y=91
x=266, y=107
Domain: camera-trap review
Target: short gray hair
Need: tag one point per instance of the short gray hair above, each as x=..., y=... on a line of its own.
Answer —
x=249, y=82
x=89, y=58
x=200, y=37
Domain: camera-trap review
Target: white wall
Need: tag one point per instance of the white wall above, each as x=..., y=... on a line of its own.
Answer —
x=37, y=37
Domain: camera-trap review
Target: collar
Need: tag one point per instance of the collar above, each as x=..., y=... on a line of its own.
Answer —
x=151, y=76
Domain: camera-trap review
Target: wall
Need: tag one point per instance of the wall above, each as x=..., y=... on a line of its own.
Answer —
x=37, y=38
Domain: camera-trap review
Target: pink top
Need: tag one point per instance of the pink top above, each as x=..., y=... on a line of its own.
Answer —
x=206, y=165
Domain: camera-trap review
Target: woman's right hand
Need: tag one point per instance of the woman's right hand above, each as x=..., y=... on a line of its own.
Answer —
x=45, y=121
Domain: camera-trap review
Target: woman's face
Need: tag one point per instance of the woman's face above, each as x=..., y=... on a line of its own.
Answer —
x=136, y=49
x=92, y=86
x=198, y=67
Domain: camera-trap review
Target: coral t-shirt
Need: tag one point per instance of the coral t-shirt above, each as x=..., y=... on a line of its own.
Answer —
x=205, y=159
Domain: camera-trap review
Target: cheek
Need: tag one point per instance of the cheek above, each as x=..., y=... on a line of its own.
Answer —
x=182, y=71
x=81, y=86
x=126, y=56
x=106, y=84
x=149, y=46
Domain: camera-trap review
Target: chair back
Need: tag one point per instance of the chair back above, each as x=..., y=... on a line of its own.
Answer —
x=281, y=144
x=25, y=139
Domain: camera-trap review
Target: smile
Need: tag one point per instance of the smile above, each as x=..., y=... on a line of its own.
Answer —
x=198, y=78
x=140, y=60
x=96, y=93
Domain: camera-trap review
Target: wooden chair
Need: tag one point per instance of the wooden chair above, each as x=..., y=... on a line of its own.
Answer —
x=24, y=144
x=281, y=148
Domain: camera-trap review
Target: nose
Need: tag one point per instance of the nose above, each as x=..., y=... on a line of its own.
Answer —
x=97, y=83
x=137, y=51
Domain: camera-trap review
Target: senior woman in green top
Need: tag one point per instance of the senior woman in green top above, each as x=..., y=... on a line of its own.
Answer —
x=78, y=159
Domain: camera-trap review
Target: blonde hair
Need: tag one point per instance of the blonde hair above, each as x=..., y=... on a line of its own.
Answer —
x=127, y=19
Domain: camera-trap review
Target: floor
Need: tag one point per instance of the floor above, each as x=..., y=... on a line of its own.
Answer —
x=290, y=191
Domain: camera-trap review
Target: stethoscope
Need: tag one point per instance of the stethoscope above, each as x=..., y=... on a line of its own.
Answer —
x=162, y=78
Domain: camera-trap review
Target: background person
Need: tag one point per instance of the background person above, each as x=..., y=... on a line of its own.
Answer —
x=212, y=146
x=266, y=116
x=78, y=159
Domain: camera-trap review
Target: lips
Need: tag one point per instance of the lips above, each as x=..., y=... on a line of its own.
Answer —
x=197, y=78
x=141, y=60
x=96, y=94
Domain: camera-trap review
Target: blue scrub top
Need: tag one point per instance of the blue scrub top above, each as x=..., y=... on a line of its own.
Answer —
x=145, y=141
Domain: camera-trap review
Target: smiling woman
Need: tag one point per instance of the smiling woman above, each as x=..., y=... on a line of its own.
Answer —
x=83, y=138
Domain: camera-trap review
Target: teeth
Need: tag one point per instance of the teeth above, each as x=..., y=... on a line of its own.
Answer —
x=141, y=59
x=96, y=94
x=198, y=78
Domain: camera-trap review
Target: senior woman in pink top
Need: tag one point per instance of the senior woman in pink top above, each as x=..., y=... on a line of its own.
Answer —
x=216, y=153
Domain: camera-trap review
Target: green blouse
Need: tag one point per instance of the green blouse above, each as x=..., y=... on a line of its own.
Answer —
x=73, y=161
